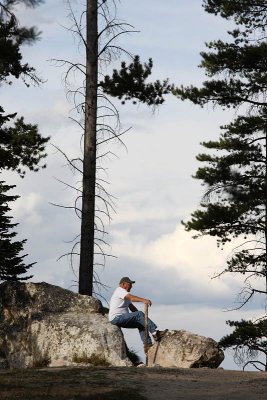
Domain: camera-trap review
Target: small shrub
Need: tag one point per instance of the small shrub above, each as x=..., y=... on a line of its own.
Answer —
x=93, y=359
x=41, y=362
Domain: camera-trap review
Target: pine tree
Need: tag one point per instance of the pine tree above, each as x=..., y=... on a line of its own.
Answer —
x=235, y=175
x=12, y=37
x=21, y=145
x=249, y=341
x=12, y=265
x=234, y=166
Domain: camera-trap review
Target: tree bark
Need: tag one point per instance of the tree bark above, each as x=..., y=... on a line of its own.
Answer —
x=265, y=231
x=89, y=162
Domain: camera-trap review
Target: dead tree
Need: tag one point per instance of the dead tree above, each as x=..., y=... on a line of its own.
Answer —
x=89, y=160
x=99, y=119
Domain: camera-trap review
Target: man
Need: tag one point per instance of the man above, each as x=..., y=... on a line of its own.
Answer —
x=121, y=303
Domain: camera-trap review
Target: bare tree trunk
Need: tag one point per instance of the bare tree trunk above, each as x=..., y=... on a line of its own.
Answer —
x=265, y=233
x=89, y=162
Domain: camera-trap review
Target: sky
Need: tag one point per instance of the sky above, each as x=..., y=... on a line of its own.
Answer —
x=150, y=177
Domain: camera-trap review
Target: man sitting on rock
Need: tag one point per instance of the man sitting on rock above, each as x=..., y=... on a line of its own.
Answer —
x=121, y=303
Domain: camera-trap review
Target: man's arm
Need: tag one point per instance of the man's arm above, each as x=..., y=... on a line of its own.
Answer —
x=137, y=299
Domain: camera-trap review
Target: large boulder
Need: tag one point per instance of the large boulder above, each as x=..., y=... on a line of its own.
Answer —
x=42, y=324
x=182, y=349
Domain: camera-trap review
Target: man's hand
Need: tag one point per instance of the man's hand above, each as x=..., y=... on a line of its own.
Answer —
x=148, y=302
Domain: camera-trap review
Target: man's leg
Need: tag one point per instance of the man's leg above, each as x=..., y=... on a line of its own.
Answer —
x=135, y=319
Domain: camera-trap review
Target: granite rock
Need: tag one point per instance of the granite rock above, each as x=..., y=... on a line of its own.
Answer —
x=45, y=325
x=183, y=349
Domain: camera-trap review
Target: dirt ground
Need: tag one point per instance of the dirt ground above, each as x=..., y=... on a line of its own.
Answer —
x=110, y=383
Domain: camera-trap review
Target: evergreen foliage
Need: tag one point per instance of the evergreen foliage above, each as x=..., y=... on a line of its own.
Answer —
x=130, y=83
x=235, y=175
x=11, y=263
x=248, y=13
x=234, y=166
x=12, y=37
x=249, y=340
x=21, y=145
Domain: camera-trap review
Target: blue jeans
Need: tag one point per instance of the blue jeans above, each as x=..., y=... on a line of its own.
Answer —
x=135, y=319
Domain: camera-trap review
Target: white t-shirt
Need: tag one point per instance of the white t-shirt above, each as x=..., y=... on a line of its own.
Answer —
x=118, y=304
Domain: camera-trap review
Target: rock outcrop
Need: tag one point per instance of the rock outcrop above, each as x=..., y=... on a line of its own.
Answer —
x=45, y=325
x=182, y=349
x=42, y=324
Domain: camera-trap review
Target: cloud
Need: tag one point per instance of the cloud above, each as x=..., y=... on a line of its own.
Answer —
x=194, y=262
x=174, y=268
x=57, y=273
x=28, y=208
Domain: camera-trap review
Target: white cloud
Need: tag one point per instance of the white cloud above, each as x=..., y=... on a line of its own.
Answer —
x=178, y=248
x=57, y=273
x=194, y=261
x=27, y=208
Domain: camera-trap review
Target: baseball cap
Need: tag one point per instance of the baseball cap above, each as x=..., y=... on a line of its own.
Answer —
x=126, y=279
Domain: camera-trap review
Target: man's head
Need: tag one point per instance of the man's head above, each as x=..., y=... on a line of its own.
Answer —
x=126, y=283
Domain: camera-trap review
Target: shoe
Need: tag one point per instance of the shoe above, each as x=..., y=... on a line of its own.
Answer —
x=140, y=365
x=159, y=334
x=147, y=347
